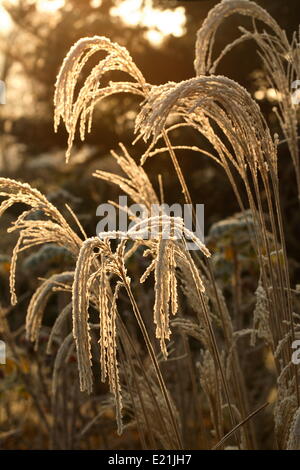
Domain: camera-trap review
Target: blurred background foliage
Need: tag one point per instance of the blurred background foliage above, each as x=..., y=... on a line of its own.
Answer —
x=160, y=35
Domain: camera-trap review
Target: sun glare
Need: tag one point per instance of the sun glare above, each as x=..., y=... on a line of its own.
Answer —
x=160, y=23
x=50, y=6
x=45, y=6
x=5, y=21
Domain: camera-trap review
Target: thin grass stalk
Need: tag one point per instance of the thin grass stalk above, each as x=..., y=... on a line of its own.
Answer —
x=225, y=438
x=286, y=272
x=216, y=355
x=284, y=286
x=130, y=342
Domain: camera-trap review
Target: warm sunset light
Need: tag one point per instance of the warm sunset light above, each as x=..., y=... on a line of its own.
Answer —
x=50, y=6
x=161, y=23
